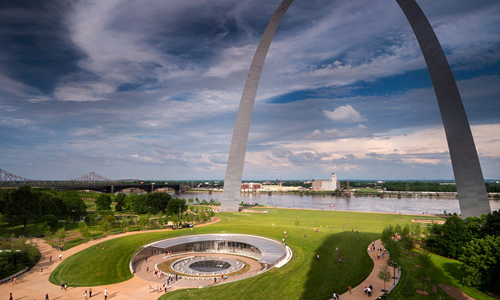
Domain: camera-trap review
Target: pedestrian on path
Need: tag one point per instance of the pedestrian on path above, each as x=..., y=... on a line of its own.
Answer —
x=105, y=294
x=90, y=292
x=47, y=296
x=11, y=298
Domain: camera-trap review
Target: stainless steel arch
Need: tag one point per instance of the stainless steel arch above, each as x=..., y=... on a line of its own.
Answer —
x=466, y=167
x=236, y=160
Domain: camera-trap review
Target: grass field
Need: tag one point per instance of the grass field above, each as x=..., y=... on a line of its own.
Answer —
x=302, y=277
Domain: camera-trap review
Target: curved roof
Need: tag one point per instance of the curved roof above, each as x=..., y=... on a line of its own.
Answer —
x=271, y=250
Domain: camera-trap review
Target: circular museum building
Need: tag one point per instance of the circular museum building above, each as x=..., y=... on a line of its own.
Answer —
x=223, y=257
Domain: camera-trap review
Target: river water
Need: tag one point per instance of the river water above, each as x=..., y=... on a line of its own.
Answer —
x=409, y=205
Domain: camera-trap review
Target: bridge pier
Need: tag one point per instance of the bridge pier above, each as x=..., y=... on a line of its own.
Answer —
x=112, y=189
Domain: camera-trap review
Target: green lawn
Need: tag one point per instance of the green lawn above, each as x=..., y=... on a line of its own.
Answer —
x=443, y=270
x=302, y=277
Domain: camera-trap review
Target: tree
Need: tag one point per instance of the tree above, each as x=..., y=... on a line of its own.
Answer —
x=425, y=262
x=448, y=239
x=176, y=205
x=158, y=202
x=124, y=224
x=23, y=207
x=61, y=235
x=120, y=201
x=387, y=236
x=139, y=204
x=492, y=224
x=406, y=238
x=481, y=262
x=84, y=230
x=384, y=274
x=103, y=202
x=77, y=209
x=144, y=220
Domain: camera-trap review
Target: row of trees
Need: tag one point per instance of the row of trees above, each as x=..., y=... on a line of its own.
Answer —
x=449, y=239
x=34, y=206
x=16, y=255
x=152, y=203
x=420, y=186
x=475, y=242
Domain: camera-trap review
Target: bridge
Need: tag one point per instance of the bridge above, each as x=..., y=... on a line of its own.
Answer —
x=90, y=181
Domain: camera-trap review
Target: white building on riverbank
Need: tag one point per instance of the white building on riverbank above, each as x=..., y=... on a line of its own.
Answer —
x=331, y=184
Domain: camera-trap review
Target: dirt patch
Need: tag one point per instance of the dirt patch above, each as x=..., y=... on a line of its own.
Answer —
x=423, y=292
x=454, y=292
x=246, y=210
x=429, y=221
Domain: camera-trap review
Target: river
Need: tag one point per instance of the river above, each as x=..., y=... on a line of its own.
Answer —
x=408, y=205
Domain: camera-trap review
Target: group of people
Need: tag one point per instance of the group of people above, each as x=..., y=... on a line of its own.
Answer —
x=159, y=288
x=368, y=290
x=88, y=294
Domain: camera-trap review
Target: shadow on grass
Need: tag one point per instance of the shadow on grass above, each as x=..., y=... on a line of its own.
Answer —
x=454, y=270
x=327, y=276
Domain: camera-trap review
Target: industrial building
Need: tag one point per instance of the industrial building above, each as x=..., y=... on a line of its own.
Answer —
x=331, y=184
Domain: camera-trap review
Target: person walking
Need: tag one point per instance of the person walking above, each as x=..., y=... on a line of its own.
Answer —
x=85, y=295
x=90, y=292
x=105, y=294
x=47, y=296
x=11, y=298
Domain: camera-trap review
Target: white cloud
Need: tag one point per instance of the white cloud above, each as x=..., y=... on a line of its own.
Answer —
x=344, y=113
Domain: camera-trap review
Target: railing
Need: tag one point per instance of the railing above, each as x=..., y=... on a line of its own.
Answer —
x=14, y=275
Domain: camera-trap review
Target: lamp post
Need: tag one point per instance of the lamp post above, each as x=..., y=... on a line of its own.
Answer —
x=394, y=265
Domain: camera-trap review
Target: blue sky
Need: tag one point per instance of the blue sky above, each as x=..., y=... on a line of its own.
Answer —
x=150, y=89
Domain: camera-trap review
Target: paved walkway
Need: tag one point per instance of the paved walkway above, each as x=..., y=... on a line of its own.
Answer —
x=372, y=279
x=34, y=285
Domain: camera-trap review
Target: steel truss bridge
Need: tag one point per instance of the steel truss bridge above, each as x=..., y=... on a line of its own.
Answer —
x=90, y=181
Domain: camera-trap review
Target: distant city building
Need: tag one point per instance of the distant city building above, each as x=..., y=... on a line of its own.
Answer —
x=279, y=188
x=250, y=186
x=331, y=184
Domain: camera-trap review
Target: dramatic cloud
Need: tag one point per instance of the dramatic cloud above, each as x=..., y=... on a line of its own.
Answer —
x=148, y=89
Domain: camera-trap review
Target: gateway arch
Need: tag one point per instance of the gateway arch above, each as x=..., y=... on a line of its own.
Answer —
x=469, y=179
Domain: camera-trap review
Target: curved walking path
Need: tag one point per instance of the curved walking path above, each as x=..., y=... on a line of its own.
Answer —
x=34, y=285
x=372, y=279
